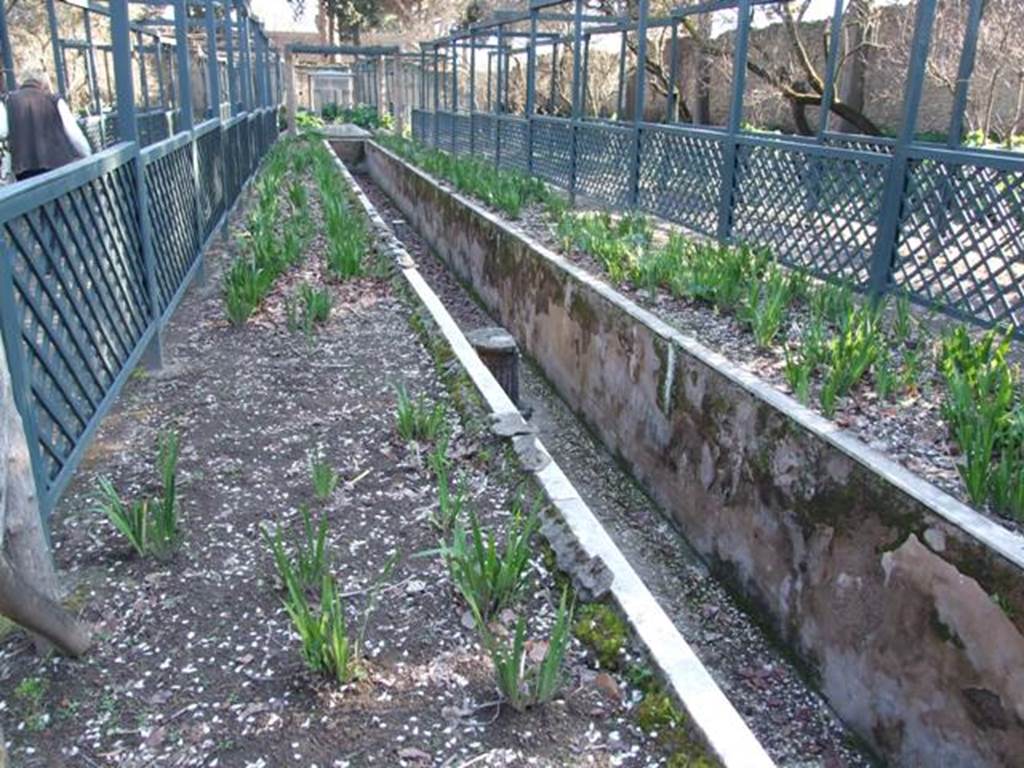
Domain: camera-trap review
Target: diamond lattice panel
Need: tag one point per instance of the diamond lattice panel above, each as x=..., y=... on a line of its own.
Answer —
x=211, y=178
x=484, y=127
x=681, y=178
x=513, y=133
x=961, y=241
x=551, y=148
x=815, y=212
x=80, y=298
x=603, y=163
x=172, y=218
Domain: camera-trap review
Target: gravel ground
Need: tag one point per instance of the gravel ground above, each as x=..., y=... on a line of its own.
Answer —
x=195, y=662
x=789, y=717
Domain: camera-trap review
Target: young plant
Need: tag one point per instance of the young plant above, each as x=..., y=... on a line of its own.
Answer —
x=323, y=476
x=130, y=520
x=415, y=419
x=765, y=308
x=798, y=368
x=489, y=579
x=165, y=534
x=1008, y=476
x=309, y=564
x=321, y=624
x=523, y=684
x=150, y=525
x=449, y=504
x=316, y=304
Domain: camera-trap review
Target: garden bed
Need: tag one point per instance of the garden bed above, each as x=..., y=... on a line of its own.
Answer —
x=196, y=661
x=906, y=604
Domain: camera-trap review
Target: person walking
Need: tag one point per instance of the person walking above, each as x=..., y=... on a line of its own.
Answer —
x=40, y=130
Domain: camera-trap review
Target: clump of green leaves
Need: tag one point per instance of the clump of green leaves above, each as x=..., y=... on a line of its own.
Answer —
x=850, y=354
x=618, y=245
x=507, y=191
x=316, y=303
x=523, y=683
x=308, y=563
x=314, y=604
x=450, y=504
x=489, y=578
x=266, y=253
x=323, y=476
x=984, y=416
x=149, y=524
x=417, y=419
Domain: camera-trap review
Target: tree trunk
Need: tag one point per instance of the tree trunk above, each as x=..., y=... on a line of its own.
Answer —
x=860, y=14
x=28, y=582
x=702, y=109
x=3, y=748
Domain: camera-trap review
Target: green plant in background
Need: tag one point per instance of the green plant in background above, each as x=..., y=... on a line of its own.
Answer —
x=316, y=304
x=323, y=476
x=849, y=354
x=982, y=413
x=149, y=524
x=1008, y=476
x=308, y=121
x=507, y=191
x=489, y=578
x=768, y=297
x=449, y=504
x=522, y=683
x=416, y=419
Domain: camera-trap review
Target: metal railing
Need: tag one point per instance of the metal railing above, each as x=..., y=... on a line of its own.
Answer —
x=942, y=223
x=98, y=254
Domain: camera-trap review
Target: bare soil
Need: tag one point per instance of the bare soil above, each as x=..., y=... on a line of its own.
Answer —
x=195, y=662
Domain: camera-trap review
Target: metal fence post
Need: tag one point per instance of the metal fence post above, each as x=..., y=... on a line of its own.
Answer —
x=243, y=52
x=120, y=41
x=90, y=63
x=640, y=102
x=455, y=88
x=472, y=94
x=229, y=50
x=531, y=87
x=673, y=75
x=213, y=67
x=887, y=232
x=437, y=96
x=499, y=95
x=58, y=63
x=554, y=79
x=574, y=120
x=954, y=136
x=727, y=199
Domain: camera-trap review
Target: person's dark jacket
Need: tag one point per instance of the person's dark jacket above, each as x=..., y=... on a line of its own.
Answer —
x=35, y=131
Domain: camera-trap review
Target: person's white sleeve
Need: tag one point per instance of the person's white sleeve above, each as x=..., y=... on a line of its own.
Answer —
x=3, y=121
x=72, y=129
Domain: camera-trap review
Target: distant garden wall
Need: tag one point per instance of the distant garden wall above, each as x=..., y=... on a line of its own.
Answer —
x=907, y=606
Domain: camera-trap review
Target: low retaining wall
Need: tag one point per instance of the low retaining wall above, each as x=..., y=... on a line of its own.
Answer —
x=907, y=605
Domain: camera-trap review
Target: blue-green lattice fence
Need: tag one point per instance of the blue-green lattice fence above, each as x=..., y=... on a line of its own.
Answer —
x=83, y=296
